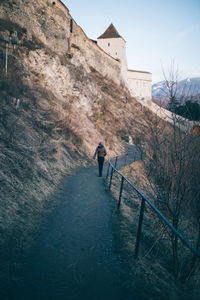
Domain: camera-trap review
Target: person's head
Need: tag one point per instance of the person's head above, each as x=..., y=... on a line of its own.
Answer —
x=101, y=144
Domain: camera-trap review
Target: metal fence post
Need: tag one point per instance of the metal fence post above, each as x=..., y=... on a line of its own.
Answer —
x=108, y=169
x=111, y=175
x=116, y=158
x=6, y=59
x=120, y=193
x=139, y=227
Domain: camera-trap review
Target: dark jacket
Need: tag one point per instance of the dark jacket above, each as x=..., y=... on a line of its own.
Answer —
x=100, y=151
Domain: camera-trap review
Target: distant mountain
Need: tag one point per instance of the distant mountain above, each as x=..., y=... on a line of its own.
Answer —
x=188, y=89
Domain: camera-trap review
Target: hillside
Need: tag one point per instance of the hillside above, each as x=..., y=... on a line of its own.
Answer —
x=55, y=107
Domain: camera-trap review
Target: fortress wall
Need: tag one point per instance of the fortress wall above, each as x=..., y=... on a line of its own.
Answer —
x=49, y=22
x=115, y=47
x=140, y=84
x=39, y=20
x=139, y=75
x=94, y=56
x=85, y=51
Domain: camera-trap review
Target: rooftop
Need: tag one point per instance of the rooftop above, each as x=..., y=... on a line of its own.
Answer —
x=136, y=71
x=111, y=32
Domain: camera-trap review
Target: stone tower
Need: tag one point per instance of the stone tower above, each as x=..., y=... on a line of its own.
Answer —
x=114, y=45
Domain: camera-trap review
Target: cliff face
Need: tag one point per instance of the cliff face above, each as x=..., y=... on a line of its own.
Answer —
x=60, y=97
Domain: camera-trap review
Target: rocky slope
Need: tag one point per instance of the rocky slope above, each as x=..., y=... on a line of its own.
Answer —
x=55, y=107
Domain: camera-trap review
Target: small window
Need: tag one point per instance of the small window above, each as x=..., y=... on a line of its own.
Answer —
x=108, y=44
x=116, y=53
x=71, y=25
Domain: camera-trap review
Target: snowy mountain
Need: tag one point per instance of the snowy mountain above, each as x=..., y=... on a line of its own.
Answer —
x=185, y=89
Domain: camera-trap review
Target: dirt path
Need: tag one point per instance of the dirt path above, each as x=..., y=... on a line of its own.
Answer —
x=74, y=256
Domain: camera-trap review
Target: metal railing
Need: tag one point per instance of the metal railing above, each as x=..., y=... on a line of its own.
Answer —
x=113, y=168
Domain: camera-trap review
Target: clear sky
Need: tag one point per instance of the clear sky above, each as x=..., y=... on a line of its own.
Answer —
x=156, y=31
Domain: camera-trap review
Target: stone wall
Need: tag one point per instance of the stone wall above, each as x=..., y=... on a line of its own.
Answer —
x=22, y=16
x=86, y=51
x=81, y=47
x=140, y=84
x=115, y=47
x=53, y=31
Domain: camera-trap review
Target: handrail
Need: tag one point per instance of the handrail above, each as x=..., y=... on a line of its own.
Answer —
x=4, y=40
x=154, y=208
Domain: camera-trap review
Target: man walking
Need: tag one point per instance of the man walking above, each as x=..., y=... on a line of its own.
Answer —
x=101, y=153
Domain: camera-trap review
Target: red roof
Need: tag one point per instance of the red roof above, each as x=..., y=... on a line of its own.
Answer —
x=111, y=32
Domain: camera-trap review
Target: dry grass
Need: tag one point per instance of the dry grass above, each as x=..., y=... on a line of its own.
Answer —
x=154, y=266
x=38, y=148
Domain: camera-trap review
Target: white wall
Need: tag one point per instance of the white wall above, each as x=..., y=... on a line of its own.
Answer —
x=93, y=56
x=140, y=84
x=115, y=47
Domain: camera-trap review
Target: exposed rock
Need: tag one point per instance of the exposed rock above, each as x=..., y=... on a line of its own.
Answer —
x=57, y=102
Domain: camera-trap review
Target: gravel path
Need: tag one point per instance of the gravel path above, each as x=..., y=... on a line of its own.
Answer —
x=74, y=256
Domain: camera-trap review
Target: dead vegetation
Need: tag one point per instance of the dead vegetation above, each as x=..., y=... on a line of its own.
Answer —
x=38, y=147
x=168, y=177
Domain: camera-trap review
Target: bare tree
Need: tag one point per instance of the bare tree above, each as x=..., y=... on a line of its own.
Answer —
x=173, y=169
x=176, y=93
x=172, y=164
x=171, y=85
